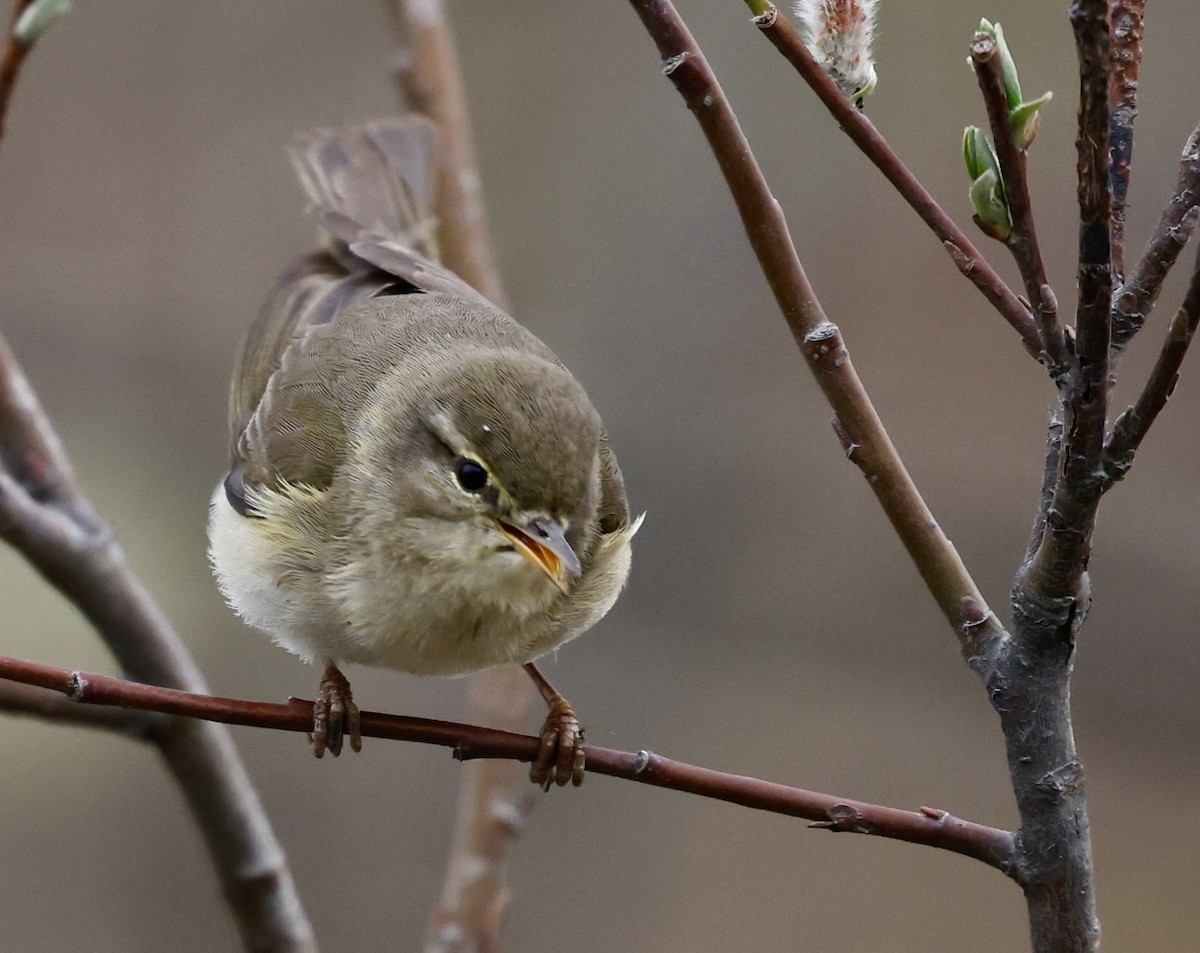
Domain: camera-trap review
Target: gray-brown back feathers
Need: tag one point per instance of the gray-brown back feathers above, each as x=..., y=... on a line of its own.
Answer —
x=373, y=303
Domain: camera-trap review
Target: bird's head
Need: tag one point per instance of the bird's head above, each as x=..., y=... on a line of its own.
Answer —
x=489, y=464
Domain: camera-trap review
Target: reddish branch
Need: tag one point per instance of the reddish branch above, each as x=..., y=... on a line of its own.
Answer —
x=927, y=826
x=863, y=134
x=1023, y=241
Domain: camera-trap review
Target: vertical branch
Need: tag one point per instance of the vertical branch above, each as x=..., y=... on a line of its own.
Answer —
x=1128, y=28
x=1026, y=674
x=1030, y=685
x=494, y=796
x=1023, y=241
x=430, y=82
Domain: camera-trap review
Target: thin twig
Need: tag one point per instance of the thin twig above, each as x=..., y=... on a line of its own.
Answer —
x=932, y=828
x=429, y=82
x=1131, y=427
x=1128, y=28
x=46, y=705
x=966, y=257
x=1135, y=299
x=858, y=425
x=45, y=515
x=494, y=797
x=1022, y=241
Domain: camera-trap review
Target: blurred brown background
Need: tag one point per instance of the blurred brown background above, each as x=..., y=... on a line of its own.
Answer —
x=773, y=625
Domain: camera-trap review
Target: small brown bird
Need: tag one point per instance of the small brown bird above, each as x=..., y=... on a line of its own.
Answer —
x=416, y=482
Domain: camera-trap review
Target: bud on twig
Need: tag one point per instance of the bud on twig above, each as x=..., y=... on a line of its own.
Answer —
x=1021, y=113
x=838, y=33
x=37, y=19
x=988, y=199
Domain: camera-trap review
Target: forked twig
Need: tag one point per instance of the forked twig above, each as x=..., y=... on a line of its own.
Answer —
x=862, y=132
x=1022, y=242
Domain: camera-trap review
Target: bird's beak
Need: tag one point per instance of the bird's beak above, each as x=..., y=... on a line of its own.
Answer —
x=544, y=543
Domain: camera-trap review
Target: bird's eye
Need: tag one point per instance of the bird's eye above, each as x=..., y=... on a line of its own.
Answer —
x=471, y=476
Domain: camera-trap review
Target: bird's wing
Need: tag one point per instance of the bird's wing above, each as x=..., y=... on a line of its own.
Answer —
x=370, y=188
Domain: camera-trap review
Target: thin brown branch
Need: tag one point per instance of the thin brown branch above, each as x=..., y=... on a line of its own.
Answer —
x=430, y=82
x=1128, y=28
x=1135, y=299
x=1131, y=427
x=44, y=515
x=494, y=796
x=929, y=827
x=966, y=257
x=1022, y=241
x=51, y=706
x=856, y=421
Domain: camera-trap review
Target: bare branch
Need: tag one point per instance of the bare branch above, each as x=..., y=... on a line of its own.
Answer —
x=1128, y=28
x=1027, y=676
x=494, y=797
x=1131, y=427
x=856, y=422
x=863, y=134
x=430, y=82
x=1057, y=571
x=42, y=703
x=45, y=516
x=932, y=828
x=1022, y=242
x=1135, y=299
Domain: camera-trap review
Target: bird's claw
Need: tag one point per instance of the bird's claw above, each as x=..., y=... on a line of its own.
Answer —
x=334, y=715
x=560, y=756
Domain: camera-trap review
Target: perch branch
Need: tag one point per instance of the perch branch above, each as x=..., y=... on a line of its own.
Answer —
x=494, y=796
x=1022, y=242
x=44, y=514
x=927, y=826
x=852, y=121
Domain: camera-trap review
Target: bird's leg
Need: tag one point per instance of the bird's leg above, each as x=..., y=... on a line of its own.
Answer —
x=334, y=714
x=560, y=756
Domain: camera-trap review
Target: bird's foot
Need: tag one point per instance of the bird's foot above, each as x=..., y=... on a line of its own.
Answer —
x=334, y=715
x=560, y=757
